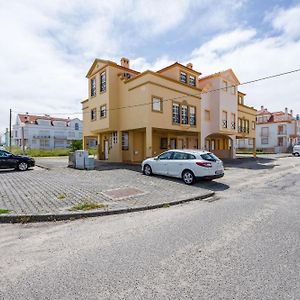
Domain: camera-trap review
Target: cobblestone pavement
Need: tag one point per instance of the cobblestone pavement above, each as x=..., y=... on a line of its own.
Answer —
x=40, y=191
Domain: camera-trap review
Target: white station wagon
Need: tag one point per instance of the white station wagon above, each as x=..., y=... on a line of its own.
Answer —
x=189, y=165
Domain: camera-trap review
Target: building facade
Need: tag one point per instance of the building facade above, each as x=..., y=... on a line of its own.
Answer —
x=132, y=115
x=277, y=132
x=45, y=132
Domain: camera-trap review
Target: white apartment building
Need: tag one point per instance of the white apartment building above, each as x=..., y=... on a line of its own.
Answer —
x=277, y=131
x=45, y=132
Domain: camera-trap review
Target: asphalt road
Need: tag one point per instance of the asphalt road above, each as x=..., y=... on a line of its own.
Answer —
x=242, y=244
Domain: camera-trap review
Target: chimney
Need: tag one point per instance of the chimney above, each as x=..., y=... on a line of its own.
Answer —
x=125, y=62
x=291, y=112
x=262, y=107
x=189, y=65
x=286, y=111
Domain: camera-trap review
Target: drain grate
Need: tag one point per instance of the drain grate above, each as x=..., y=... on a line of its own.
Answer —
x=123, y=193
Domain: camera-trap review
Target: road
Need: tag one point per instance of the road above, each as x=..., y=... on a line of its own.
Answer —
x=242, y=244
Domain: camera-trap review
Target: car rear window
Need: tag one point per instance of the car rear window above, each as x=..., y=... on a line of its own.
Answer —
x=209, y=157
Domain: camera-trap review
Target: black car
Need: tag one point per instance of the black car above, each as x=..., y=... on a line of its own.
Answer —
x=18, y=162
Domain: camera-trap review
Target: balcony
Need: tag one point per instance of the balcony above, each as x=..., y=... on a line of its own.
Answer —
x=233, y=125
x=41, y=136
x=282, y=132
x=224, y=123
x=243, y=129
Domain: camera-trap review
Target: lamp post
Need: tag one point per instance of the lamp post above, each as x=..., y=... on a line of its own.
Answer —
x=23, y=140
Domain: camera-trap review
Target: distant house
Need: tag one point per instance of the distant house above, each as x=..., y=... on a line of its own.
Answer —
x=277, y=131
x=45, y=132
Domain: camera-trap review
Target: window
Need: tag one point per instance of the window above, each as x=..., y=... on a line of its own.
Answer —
x=264, y=140
x=192, y=81
x=182, y=155
x=265, y=131
x=192, y=115
x=247, y=125
x=93, y=114
x=114, y=137
x=250, y=142
x=175, y=113
x=232, y=121
x=156, y=104
x=183, y=77
x=16, y=133
x=240, y=99
x=93, y=87
x=125, y=141
x=103, y=111
x=184, y=114
x=253, y=125
x=103, y=82
x=76, y=126
x=225, y=86
x=209, y=157
x=233, y=89
x=207, y=115
x=164, y=143
x=224, y=119
x=166, y=155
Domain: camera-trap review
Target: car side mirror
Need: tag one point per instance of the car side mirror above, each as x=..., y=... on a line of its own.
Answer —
x=156, y=158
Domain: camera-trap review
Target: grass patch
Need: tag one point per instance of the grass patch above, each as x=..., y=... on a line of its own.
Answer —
x=61, y=196
x=88, y=205
x=5, y=211
x=41, y=153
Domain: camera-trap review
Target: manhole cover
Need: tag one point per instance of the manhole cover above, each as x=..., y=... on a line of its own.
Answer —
x=121, y=193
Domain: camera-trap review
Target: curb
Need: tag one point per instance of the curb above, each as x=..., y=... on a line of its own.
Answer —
x=42, y=167
x=79, y=215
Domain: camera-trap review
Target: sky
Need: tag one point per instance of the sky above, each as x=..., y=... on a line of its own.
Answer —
x=48, y=46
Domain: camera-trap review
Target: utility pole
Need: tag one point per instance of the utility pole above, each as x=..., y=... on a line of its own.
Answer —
x=9, y=130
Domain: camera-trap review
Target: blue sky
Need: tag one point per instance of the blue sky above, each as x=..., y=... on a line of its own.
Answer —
x=48, y=46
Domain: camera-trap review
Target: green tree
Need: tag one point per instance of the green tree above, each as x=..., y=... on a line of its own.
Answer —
x=76, y=145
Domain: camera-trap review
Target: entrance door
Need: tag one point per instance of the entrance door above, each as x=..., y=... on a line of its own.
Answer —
x=173, y=143
x=106, y=149
x=179, y=143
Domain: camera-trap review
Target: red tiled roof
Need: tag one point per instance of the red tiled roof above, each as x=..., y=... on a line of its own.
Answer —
x=24, y=118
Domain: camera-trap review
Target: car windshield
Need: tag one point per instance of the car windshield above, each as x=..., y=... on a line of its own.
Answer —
x=209, y=157
x=4, y=153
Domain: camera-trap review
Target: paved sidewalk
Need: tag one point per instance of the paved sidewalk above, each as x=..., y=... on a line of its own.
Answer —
x=54, y=192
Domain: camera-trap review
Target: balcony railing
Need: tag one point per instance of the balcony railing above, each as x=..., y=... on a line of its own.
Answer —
x=232, y=125
x=282, y=132
x=243, y=129
x=41, y=136
x=224, y=123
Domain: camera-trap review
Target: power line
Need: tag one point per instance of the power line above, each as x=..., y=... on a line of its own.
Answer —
x=179, y=97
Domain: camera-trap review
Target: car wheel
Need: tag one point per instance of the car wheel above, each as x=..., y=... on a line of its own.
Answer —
x=188, y=177
x=22, y=166
x=147, y=170
x=296, y=154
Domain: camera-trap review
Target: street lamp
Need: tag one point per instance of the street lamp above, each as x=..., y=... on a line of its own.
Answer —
x=23, y=140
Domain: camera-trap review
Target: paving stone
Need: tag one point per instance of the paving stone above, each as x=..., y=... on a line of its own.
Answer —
x=55, y=191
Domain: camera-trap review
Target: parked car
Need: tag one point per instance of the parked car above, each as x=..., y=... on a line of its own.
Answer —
x=189, y=165
x=296, y=150
x=18, y=162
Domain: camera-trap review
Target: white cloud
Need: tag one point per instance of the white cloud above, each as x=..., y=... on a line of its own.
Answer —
x=254, y=57
x=286, y=21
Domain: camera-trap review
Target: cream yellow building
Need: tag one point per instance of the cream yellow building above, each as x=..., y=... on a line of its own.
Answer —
x=135, y=115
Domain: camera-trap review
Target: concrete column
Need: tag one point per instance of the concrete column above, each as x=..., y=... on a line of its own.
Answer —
x=149, y=142
x=200, y=142
x=254, y=147
x=99, y=146
x=84, y=143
